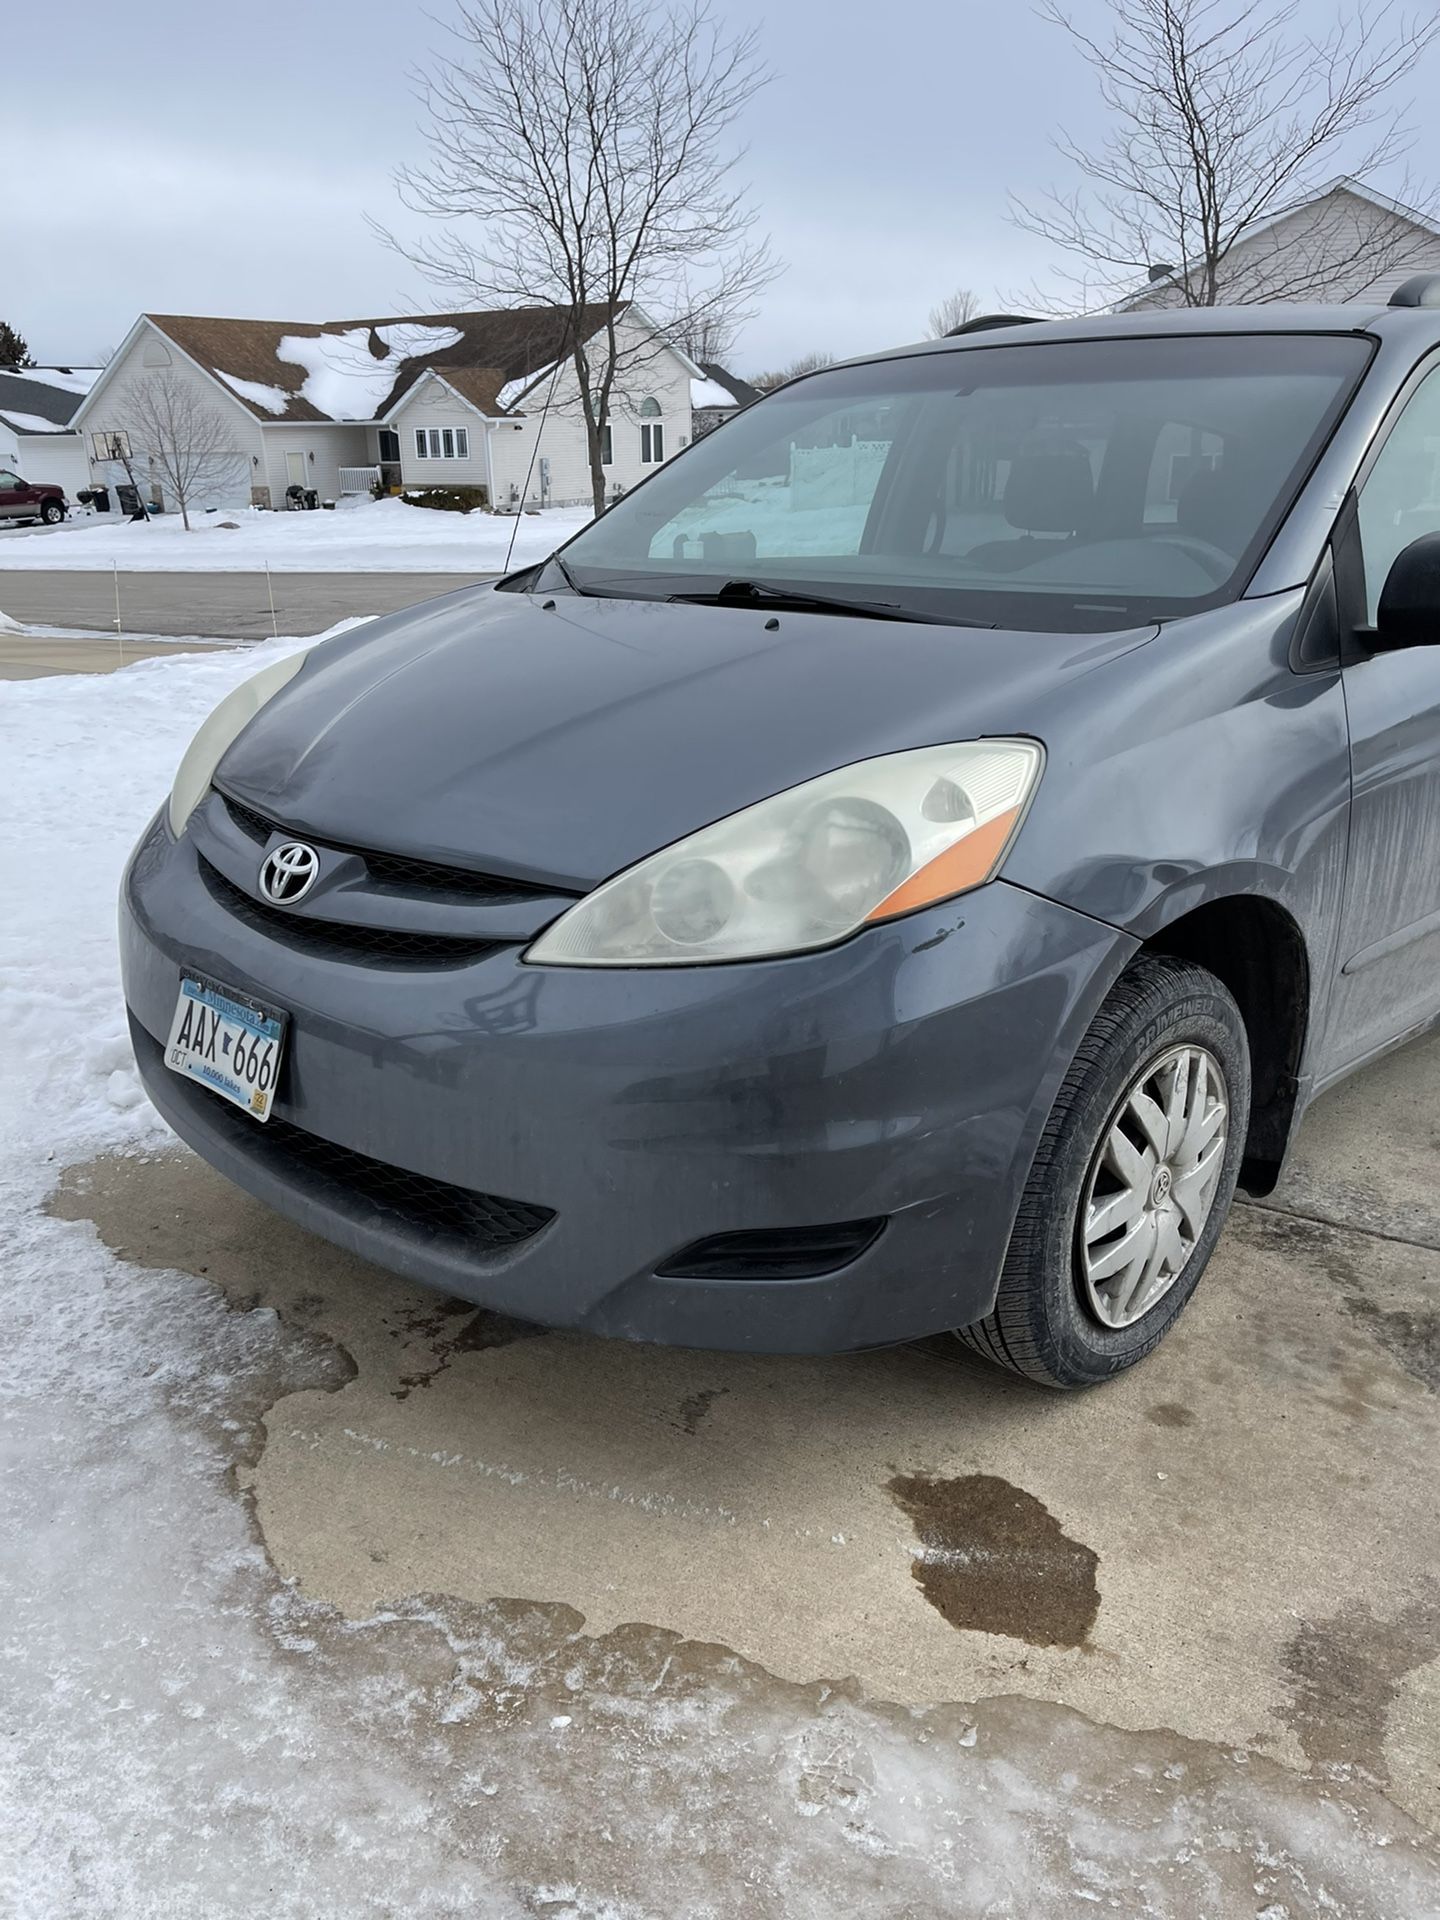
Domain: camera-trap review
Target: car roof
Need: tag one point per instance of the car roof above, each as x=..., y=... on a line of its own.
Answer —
x=1419, y=323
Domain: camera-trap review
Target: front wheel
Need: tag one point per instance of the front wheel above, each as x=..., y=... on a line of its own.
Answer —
x=1132, y=1181
x=52, y=513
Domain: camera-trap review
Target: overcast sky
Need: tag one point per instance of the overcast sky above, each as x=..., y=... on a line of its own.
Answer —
x=187, y=158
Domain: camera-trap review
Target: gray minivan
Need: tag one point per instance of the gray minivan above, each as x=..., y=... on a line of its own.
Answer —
x=896, y=871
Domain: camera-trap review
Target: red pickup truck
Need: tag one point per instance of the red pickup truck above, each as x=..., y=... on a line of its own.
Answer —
x=20, y=501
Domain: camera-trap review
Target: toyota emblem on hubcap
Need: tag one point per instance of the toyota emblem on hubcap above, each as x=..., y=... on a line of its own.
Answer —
x=289, y=872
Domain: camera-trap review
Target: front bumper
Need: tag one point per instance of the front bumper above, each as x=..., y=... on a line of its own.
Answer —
x=907, y=1073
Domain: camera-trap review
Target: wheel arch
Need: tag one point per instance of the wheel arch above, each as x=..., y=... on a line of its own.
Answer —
x=1258, y=951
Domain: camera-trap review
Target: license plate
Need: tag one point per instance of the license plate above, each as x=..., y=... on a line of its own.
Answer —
x=228, y=1043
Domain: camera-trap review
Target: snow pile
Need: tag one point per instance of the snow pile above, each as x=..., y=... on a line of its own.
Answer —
x=160, y=1754
x=343, y=378
x=268, y=399
x=373, y=536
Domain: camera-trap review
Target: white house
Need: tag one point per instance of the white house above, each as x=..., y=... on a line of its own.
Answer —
x=36, y=440
x=1344, y=244
x=448, y=399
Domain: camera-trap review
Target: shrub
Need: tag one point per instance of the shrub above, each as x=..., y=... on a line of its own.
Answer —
x=449, y=499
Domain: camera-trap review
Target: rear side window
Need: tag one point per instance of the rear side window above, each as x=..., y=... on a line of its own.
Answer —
x=1401, y=499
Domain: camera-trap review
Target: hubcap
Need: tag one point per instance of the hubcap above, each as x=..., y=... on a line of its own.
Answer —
x=1152, y=1184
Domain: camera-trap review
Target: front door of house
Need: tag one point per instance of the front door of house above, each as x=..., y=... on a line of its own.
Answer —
x=295, y=469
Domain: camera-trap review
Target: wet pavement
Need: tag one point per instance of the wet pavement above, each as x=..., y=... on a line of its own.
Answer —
x=892, y=1634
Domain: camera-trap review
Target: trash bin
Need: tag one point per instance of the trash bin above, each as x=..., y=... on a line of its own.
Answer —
x=312, y=500
x=127, y=498
x=96, y=497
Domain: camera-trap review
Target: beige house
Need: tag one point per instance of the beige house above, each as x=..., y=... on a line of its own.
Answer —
x=431, y=400
x=1345, y=243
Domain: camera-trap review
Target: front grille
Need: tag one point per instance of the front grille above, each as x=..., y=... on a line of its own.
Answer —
x=484, y=1222
x=254, y=825
x=774, y=1253
x=336, y=940
x=399, y=871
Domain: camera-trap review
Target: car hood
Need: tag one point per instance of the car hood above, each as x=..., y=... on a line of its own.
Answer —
x=561, y=746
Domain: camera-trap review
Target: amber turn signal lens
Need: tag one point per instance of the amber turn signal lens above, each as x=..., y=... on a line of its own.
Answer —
x=969, y=863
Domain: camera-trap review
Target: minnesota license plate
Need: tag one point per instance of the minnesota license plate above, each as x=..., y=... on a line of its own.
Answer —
x=228, y=1043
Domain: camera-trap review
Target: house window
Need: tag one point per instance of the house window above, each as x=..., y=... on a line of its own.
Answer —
x=442, y=443
x=607, y=445
x=389, y=446
x=652, y=443
x=650, y=408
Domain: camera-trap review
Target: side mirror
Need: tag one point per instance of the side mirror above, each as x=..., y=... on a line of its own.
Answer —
x=1409, y=613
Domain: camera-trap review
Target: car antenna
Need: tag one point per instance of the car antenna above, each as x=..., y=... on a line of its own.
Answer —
x=539, y=433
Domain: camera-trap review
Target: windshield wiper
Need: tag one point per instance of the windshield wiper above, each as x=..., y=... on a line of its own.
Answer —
x=566, y=575
x=800, y=600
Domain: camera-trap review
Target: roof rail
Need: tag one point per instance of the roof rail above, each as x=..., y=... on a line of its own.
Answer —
x=984, y=321
x=1420, y=290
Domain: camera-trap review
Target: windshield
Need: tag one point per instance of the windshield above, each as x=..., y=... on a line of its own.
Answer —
x=1081, y=485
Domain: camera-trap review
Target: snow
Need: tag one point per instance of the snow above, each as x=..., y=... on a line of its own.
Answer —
x=185, y=1734
x=67, y=379
x=513, y=390
x=343, y=379
x=31, y=422
x=269, y=399
x=709, y=393
x=360, y=535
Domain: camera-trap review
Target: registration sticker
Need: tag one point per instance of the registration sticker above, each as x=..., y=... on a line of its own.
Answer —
x=228, y=1043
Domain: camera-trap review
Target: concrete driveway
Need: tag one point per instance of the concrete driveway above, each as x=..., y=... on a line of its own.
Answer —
x=871, y=1584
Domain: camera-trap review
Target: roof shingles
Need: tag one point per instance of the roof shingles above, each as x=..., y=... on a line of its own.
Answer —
x=477, y=353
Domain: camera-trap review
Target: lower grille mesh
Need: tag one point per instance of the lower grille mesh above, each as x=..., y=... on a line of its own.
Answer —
x=483, y=1222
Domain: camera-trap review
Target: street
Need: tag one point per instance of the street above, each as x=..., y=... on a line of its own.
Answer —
x=229, y=605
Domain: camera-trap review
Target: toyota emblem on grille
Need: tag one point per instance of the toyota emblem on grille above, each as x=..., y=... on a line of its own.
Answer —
x=288, y=873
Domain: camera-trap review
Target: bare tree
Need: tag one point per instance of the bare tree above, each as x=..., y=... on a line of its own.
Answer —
x=807, y=363
x=709, y=334
x=187, y=444
x=1221, y=118
x=578, y=159
x=952, y=312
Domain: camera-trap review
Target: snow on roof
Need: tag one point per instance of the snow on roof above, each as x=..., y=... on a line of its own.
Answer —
x=514, y=390
x=269, y=399
x=67, y=379
x=344, y=380
x=30, y=422
x=710, y=393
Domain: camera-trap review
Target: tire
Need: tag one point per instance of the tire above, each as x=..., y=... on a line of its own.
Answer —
x=52, y=513
x=1163, y=1016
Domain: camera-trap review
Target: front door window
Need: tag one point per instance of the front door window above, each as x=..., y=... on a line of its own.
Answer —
x=1401, y=499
